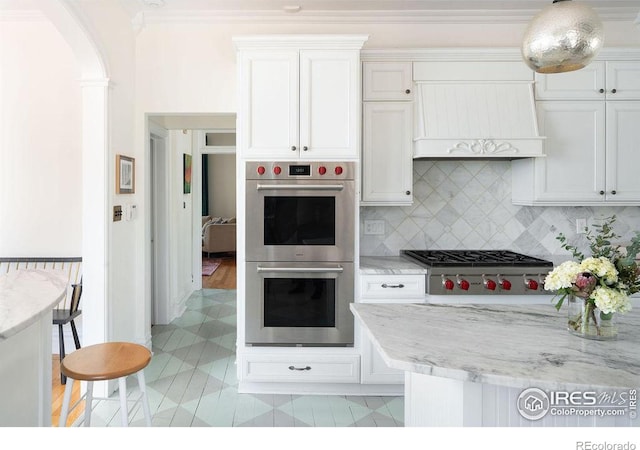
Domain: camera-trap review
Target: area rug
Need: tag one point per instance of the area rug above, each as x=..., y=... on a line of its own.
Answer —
x=209, y=266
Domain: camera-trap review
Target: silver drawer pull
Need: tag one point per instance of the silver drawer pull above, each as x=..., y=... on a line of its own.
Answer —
x=261, y=269
x=299, y=368
x=392, y=286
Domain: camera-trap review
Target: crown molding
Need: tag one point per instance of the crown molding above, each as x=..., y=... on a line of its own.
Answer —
x=444, y=54
x=478, y=16
x=308, y=41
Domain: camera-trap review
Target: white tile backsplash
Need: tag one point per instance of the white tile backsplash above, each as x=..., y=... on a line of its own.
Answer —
x=467, y=205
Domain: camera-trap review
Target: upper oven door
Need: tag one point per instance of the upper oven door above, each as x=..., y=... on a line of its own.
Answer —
x=300, y=220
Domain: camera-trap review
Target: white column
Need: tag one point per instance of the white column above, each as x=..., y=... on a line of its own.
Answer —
x=95, y=213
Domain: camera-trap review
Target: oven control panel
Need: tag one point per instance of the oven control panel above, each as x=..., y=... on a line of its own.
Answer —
x=309, y=170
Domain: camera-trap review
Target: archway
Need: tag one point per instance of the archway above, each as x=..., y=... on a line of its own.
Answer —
x=94, y=83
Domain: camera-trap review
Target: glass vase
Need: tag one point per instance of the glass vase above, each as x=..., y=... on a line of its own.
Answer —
x=587, y=321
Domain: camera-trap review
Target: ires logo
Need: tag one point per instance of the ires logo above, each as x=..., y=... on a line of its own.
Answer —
x=534, y=403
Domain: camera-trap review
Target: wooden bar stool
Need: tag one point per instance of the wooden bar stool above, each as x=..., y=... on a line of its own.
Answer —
x=101, y=362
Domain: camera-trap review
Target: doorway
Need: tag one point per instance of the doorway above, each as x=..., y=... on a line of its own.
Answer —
x=175, y=225
x=218, y=200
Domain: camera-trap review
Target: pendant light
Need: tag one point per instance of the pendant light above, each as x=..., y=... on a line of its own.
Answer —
x=562, y=37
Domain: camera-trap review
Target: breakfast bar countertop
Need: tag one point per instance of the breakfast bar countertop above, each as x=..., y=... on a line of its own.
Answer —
x=505, y=345
x=26, y=295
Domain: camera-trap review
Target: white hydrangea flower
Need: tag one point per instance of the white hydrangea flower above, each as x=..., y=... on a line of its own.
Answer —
x=562, y=276
x=601, y=267
x=611, y=300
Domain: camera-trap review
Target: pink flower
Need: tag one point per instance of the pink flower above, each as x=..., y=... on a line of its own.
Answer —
x=584, y=285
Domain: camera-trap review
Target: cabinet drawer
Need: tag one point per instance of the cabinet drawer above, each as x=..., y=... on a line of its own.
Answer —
x=392, y=286
x=314, y=369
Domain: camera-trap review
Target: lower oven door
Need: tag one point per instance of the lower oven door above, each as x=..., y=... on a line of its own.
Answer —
x=299, y=304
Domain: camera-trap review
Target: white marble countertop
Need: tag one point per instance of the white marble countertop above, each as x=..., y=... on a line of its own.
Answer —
x=25, y=295
x=505, y=345
x=389, y=265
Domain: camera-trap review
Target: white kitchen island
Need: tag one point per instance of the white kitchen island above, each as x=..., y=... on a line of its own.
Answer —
x=468, y=365
x=27, y=298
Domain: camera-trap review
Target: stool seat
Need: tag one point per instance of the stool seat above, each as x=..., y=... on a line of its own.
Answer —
x=106, y=361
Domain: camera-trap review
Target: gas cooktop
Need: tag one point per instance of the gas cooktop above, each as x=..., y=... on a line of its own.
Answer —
x=474, y=258
x=481, y=272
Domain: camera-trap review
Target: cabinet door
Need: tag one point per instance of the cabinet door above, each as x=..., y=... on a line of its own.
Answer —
x=269, y=104
x=623, y=152
x=582, y=84
x=387, y=156
x=387, y=81
x=329, y=104
x=624, y=78
x=574, y=168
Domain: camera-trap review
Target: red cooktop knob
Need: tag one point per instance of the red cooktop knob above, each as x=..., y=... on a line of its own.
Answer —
x=322, y=170
x=491, y=285
x=464, y=285
x=261, y=170
x=277, y=170
x=532, y=284
x=448, y=284
x=338, y=170
x=506, y=285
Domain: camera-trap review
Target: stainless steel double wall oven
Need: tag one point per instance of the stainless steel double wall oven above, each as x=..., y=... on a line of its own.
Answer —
x=299, y=253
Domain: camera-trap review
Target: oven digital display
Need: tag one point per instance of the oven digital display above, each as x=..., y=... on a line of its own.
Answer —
x=300, y=170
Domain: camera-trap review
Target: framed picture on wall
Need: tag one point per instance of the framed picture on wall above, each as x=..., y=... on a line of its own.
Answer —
x=125, y=175
x=186, y=159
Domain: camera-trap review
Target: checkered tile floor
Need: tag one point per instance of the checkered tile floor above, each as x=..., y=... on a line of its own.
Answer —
x=191, y=382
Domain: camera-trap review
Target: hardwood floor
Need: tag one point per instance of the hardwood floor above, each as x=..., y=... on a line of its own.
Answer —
x=225, y=276
x=57, y=395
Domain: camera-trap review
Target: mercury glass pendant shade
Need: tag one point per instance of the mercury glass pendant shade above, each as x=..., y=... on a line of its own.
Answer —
x=562, y=37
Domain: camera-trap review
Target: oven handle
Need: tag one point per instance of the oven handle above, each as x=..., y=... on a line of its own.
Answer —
x=261, y=269
x=300, y=187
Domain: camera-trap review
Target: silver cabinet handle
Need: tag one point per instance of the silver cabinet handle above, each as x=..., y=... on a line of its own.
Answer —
x=262, y=269
x=299, y=368
x=392, y=286
x=300, y=187
x=293, y=148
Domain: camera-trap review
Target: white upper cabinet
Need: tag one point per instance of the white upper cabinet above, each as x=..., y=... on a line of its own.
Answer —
x=593, y=156
x=387, y=153
x=590, y=118
x=299, y=96
x=387, y=81
x=387, y=147
x=573, y=170
x=329, y=104
x=623, y=153
x=600, y=80
x=269, y=103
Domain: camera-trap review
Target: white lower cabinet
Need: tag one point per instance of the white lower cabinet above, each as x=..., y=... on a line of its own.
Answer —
x=265, y=367
x=374, y=369
x=397, y=288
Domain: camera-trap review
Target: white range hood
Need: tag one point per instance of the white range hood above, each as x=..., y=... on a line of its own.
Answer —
x=476, y=119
